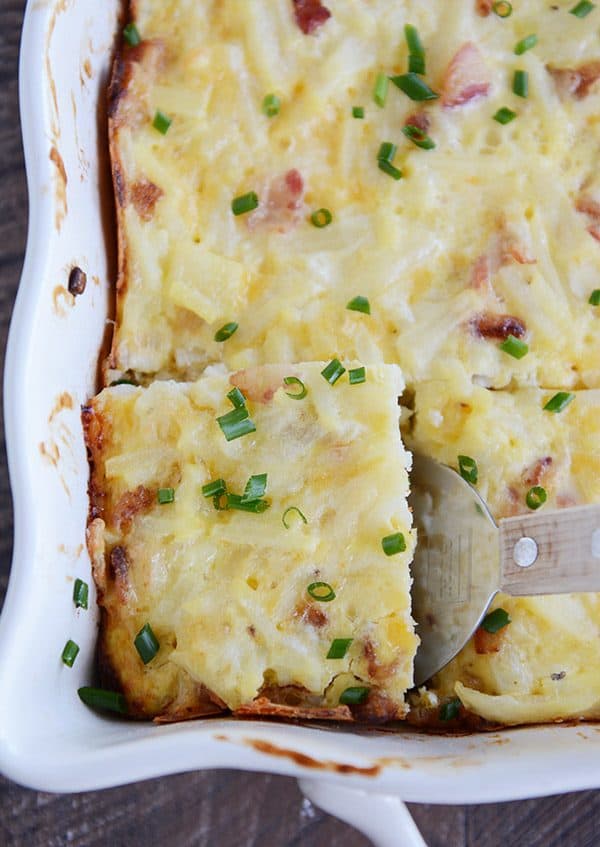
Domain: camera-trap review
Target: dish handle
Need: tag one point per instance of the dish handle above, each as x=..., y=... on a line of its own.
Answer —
x=383, y=818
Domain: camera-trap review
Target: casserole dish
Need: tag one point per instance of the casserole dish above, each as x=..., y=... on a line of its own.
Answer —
x=48, y=740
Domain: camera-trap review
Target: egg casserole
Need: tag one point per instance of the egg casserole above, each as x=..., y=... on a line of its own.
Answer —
x=410, y=184
x=261, y=569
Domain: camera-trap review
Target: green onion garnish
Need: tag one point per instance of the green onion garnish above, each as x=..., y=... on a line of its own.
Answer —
x=416, y=64
x=393, y=544
x=333, y=371
x=321, y=591
x=358, y=112
x=467, y=468
x=380, y=90
x=359, y=304
x=502, y=9
x=162, y=122
x=271, y=105
x=595, y=297
x=236, y=423
x=244, y=203
x=416, y=52
x=505, y=115
x=414, y=87
x=450, y=710
x=165, y=495
x=80, y=594
x=98, y=698
x=321, y=218
x=146, y=643
x=297, y=511
x=214, y=488
x=536, y=497
x=220, y=502
x=354, y=696
x=387, y=151
x=582, y=9
x=389, y=169
x=495, y=621
x=521, y=84
x=226, y=331
x=236, y=398
x=357, y=375
x=339, y=648
x=237, y=503
x=514, y=347
x=559, y=402
x=295, y=395
x=131, y=35
x=418, y=137
x=69, y=653
x=526, y=44
x=255, y=488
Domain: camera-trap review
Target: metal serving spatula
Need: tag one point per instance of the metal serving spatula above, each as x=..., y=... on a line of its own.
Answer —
x=464, y=558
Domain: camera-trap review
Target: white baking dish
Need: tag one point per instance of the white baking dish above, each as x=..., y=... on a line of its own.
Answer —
x=48, y=739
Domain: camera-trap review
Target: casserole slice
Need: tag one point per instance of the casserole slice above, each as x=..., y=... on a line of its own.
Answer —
x=251, y=541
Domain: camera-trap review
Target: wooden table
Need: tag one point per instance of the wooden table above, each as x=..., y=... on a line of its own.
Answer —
x=223, y=808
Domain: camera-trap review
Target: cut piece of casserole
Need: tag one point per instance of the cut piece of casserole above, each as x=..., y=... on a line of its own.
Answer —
x=287, y=593
x=544, y=664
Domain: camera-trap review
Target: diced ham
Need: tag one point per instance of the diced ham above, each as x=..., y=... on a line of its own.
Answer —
x=535, y=474
x=281, y=208
x=594, y=231
x=576, y=82
x=487, y=642
x=483, y=7
x=466, y=77
x=420, y=120
x=489, y=325
x=310, y=15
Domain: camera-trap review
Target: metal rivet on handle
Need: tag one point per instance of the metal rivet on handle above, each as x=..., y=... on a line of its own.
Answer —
x=596, y=543
x=525, y=552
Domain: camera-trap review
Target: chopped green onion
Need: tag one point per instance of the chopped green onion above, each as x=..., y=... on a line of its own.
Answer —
x=321, y=218
x=226, y=331
x=416, y=52
x=502, y=9
x=514, y=347
x=146, y=643
x=255, y=488
x=559, y=401
x=536, y=497
x=98, y=698
x=354, y=696
x=69, y=653
x=595, y=297
x=131, y=35
x=387, y=151
x=295, y=395
x=271, y=105
x=220, y=502
x=236, y=398
x=381, y=89
x=495, y=621
x=416, y=64
x=165, y=495
x=521, y=84
x=359, y=304
x=122, y=382
x=333, y=371
x=449, y=711
x=236, y=423
x=357, y=375
x=244, y=203
x=525, y=44
x=80, y=594
x=358, y=112
x=414, y=87
x=389, y=169
x=162, y=122
x=467, y=468
x=321, y=591
x=237, y=503
x=418, y=137
x=393, y=544
x=505, y=115
x=288, y=511
x=214, y=488
x=582, y=9
x=339, y=648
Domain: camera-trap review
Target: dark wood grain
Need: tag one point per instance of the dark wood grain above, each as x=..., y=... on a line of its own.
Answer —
x=222, y=808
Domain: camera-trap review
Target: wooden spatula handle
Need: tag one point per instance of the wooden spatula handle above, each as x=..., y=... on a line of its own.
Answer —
x=549, y=552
